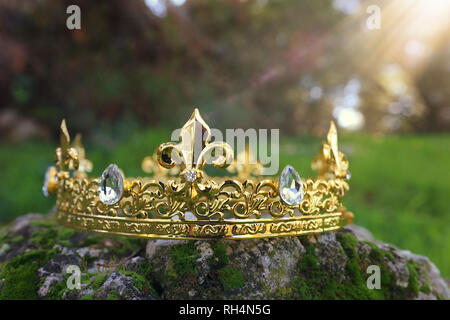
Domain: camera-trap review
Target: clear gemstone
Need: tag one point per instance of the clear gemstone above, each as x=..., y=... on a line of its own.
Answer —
x=348, y=175
x=110, y=187
x=188, y=215
x=50, y=177
x=190, y=175
x=290, y=186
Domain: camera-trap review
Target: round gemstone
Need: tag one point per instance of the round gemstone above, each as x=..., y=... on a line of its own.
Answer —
x=110, y=187
x=290, y=186
x=190, y=175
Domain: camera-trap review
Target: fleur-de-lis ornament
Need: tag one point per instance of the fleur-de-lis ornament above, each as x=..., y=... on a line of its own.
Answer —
x=66, y=157
x=151, y=165
x=194, y=150
x=330, y=162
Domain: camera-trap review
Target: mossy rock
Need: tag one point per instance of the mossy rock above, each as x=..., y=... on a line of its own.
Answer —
x=35, y=253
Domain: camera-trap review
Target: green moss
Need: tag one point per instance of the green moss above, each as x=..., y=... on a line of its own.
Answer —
x=125, y=245
x=90, y=280
x=315, y=282
x=413, y=281
x=390, y=256
x=57, y=290
x=231, y=278
x=220, y=257
x=140, y=281
x=146, y=270
x=20, y=274
x=113, y=295
x=311, y=277
x=348, y=243
x=92, y=239
x=50, y=233
x=17, y=239
x=45, y=223
x=378, y=255
x=47, y=238
x=184, y=258
x=8, y=249
x=3, y=234
x=98, y=280
x=87, y=297
x=171, y=273
x=425, y=288
x=271, y=254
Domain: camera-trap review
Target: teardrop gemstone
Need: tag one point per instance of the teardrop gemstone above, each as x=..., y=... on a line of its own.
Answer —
x=50, y=181
x=290, y=186
x=110, y=187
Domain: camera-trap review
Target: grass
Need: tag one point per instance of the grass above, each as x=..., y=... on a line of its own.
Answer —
x=399, y=186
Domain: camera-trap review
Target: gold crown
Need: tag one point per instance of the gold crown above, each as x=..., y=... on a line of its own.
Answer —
x=179, y=201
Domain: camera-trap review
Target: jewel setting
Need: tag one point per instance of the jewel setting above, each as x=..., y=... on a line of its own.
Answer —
x=50, y=181
x=190, y=175
x=181, y=201
x=290, y=186
x=110, y=187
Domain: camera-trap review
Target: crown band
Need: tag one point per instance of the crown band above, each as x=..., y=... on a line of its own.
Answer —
x=186, y=204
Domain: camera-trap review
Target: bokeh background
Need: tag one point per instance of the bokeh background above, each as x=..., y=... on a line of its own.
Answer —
x=136, y=68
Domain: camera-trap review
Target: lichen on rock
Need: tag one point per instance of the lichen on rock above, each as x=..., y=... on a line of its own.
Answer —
x=35, y=254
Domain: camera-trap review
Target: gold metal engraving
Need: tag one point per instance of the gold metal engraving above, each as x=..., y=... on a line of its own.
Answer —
x=66, y=157
x=330, y=162
x=84, y=164
x=195, y=148
x=187, y=204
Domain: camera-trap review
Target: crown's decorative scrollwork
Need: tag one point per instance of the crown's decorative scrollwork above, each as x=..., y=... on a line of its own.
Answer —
x=84, y=164
x=151, y=165
x=66, y=157
x=330, y=162
x=184, y=203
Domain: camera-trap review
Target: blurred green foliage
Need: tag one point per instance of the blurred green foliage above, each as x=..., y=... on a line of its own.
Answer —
x=399, y=187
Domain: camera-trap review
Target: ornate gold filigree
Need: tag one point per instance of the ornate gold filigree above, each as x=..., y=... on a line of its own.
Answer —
x=330, y=162
x=194, y=149
x=197, y=206
x=85, y=165
x=151, y=165
x=66, y=157
x=231, y=198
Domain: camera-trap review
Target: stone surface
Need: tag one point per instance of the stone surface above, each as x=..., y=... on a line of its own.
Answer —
x=35, y=254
